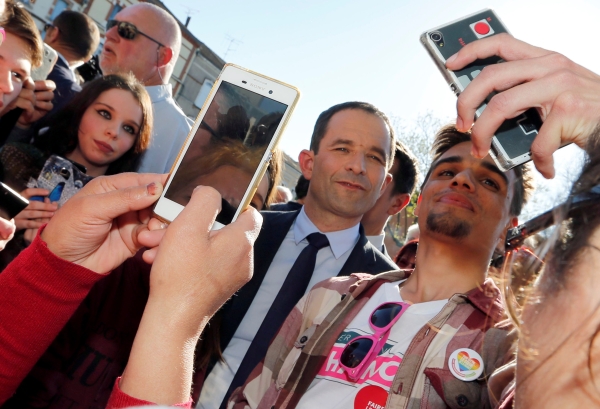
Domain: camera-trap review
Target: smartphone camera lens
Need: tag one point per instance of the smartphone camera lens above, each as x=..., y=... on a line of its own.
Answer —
x=270, y=91
x=437, y=38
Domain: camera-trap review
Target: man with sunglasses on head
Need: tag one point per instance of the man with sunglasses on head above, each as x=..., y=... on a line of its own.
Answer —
x=399, y=340
x=145, y=40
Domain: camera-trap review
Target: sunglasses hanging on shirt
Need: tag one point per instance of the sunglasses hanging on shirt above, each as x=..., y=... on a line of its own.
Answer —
x=361, y=351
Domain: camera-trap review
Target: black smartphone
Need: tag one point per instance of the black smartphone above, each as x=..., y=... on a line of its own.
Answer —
x=511, y=145
x=11, y=203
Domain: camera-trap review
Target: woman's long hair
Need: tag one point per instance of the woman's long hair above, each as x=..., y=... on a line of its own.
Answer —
x=61, y=137
x=562, y=251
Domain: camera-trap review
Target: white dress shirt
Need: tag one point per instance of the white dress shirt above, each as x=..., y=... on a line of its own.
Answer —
x=170, y=129
x=377, y=241
x=330, y=261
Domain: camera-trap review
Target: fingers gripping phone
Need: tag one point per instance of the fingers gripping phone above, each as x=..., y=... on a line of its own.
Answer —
x=230, y=144
x=511, y=144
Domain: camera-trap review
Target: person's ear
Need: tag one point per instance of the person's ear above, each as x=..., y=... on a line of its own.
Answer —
x=416, y=212
x=398, y=203
x=386, y=182
x=306, y=160
x=165, y=55
x=51, y=35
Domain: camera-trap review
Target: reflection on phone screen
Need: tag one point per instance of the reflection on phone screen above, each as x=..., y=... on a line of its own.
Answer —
x=227, y=148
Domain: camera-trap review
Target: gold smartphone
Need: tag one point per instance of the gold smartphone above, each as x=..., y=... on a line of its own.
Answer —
x=231, y=143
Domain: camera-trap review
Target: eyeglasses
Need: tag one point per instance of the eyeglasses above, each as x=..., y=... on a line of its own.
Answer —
x=47, y=26
x=361, y=351
x=2, y=35
x=128, y=31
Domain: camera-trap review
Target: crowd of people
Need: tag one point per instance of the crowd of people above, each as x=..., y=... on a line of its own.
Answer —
x=103, y=305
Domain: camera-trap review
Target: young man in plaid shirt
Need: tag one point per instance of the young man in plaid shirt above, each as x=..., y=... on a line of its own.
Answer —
x=437, y=343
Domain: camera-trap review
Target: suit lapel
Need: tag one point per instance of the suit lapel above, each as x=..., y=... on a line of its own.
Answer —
x=366, y=259
x=361, y=259
x=275, y=227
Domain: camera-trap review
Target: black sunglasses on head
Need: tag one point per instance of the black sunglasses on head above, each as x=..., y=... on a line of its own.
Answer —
x=128, y=31
x=573, y=206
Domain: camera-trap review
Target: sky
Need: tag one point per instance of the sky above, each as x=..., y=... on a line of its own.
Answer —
x=336, y=51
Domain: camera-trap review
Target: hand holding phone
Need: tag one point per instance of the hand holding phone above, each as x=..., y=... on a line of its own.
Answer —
x=565, y=93
x=35, y=103
x=511, y=144
x=38, y=212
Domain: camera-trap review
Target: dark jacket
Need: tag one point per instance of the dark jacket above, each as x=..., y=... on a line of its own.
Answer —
x=285, y=207
x=66, y=87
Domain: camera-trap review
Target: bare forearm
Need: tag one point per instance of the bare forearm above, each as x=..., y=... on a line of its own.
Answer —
x=161, y=362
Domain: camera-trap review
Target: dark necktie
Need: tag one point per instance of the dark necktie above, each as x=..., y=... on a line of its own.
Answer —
x=291, y=291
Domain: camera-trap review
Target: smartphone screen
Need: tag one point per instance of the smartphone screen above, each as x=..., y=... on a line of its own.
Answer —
x=227, y=149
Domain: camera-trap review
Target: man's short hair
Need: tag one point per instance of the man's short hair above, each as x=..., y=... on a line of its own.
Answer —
x=405, y=178
x=17, y=21
x=302, y=187
x=78, y=33
x=323, y=122
x=448, y=136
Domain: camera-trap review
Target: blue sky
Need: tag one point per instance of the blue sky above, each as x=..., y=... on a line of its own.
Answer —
x=336, y=51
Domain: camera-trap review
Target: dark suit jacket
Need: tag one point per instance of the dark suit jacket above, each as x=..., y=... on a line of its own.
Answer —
x=285, y=207
x=66, y=88
x=364, y=258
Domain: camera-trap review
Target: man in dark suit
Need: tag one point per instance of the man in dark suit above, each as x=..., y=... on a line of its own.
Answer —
x=351, y=152
x=75, y=37
x=395, y=198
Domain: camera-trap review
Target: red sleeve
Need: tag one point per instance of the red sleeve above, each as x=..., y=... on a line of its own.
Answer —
x=39, y=292
x=119, y=399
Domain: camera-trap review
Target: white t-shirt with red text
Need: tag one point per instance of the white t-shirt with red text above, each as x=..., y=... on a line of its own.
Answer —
x=332, y=389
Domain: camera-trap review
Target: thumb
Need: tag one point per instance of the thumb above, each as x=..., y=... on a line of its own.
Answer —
x=108, y=206
x=246, y=226
x=201, y=211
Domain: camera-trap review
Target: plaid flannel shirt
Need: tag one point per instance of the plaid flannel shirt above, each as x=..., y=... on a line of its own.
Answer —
x=423, y=379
